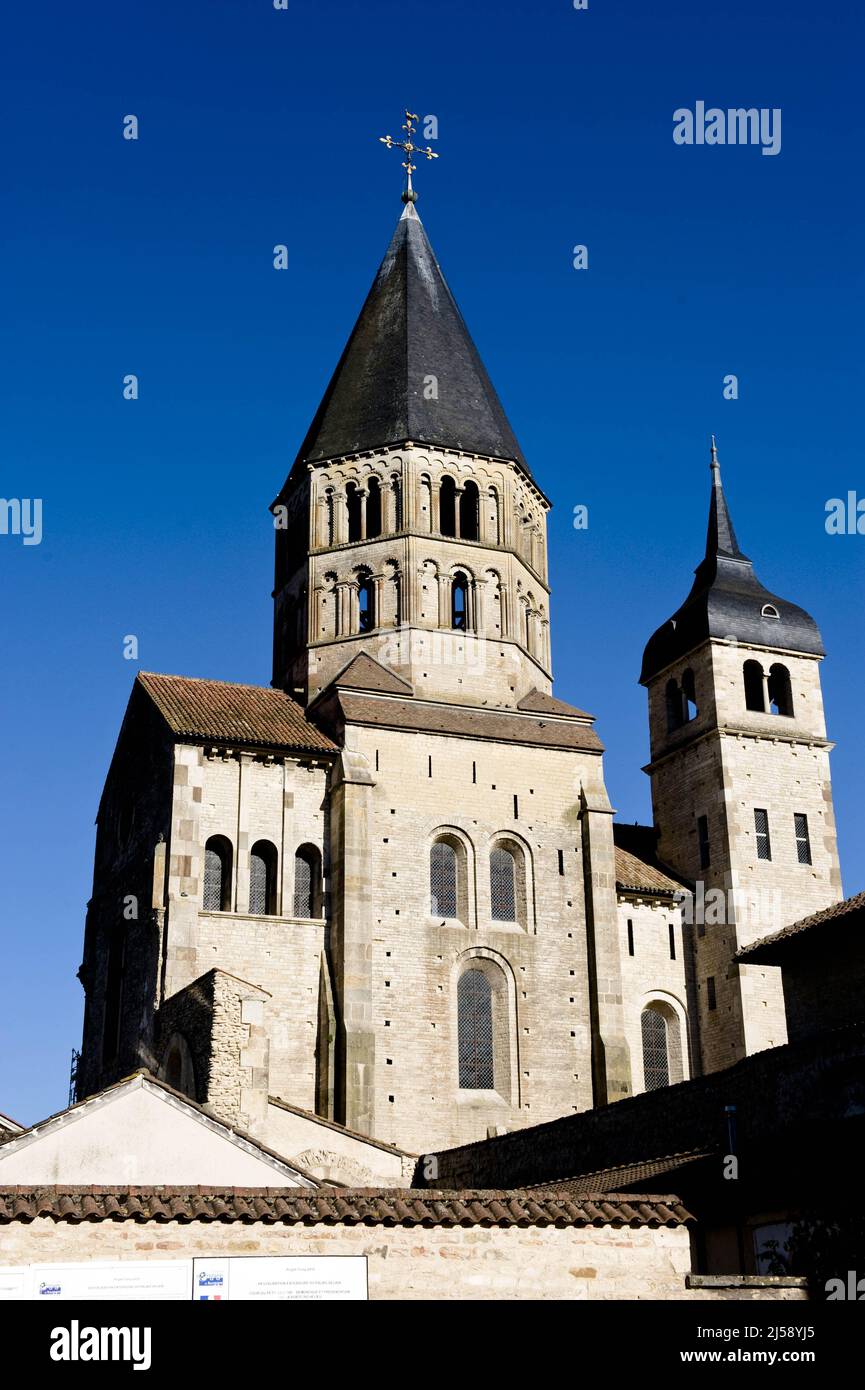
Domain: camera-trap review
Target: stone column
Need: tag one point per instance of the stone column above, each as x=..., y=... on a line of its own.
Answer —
x=434, y=521
x=444, y=600
x=458, y=492
x=340, y=518
x=362, y=494
x=351, y=785
x=611, y=1063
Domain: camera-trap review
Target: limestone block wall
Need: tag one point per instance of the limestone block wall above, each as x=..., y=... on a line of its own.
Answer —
x=660, y=976
x=334, y=1154
x=246, y=798
x=427, y=785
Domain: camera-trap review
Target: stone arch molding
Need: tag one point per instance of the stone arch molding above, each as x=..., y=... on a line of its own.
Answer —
x=678, y=1039
x=334, y=1167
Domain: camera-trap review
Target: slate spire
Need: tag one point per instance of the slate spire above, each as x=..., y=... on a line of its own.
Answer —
x=410, y=370
x=720, y=537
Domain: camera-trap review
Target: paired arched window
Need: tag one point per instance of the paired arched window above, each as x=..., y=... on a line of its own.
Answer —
x=775, y=687
x=217, y=874
x=475, y=1031
x=443, y=876
x=503, y=886
x=365, y=602
x=459, y=602
x=262, y=879
x=307, y=882
x=681, y=700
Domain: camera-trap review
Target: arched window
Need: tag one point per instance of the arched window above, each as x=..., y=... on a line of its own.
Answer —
x=330, y=516
x=689, y=696
x=217, y=874
x=365, y=602
x=307, y=882
x=674, y=706
x=396, y=490
x=447, y=507
x=443, y=879
x=780, y=691
x=503, y=892
x=769, y=611
x=459, y=602
x=352, y=502
x=373, y=508
x=178, y=1067
x=262, y=879
x=656, y=1062
x=753, y=676
x=475, y=1031
x=470, y=512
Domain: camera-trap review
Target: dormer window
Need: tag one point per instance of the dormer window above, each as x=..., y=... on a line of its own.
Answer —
x=770, y=611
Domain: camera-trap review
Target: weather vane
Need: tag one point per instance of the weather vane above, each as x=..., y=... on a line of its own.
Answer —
x=409, y=195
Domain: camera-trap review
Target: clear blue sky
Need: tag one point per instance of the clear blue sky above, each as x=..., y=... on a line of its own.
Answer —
x=259, y=127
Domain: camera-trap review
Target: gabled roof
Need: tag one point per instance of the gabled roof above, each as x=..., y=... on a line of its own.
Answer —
x=727, y=601
x=8, y=1126
x=848, y=913
x=244, y=714
x=363, y=672
x=410, y=330
x=215, y=1143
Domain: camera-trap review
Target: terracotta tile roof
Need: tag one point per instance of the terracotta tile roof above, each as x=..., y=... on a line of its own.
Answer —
x=367, y=1206
x=638, y=869
x=850, y=911
x=536, y=702
x=467, y=721
x=255, y=714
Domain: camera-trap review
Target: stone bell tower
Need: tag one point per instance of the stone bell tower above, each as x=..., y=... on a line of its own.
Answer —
x=410, y=526
x=741, y=788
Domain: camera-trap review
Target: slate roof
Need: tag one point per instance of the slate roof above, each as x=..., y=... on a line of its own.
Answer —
x=537, y=702
x=850, y=911
x=219, y=710
x=638, y=868
x=360, y=1206
x=615, y=1179
x=726, y=600
x=409, y=328
x=365, y=673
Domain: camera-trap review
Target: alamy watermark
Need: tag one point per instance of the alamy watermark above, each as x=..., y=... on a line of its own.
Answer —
x=735, y=126
x=22, y=516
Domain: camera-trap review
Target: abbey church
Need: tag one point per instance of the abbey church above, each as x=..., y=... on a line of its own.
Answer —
x=388, y=890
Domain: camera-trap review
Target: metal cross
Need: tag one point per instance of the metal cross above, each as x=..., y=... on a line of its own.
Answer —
x=409, y=195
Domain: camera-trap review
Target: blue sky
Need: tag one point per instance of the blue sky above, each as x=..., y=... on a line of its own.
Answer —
x=260, y=127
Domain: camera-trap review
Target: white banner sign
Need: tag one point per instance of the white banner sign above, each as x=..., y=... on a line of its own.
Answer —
x=141, y=1280
x=301, y=1278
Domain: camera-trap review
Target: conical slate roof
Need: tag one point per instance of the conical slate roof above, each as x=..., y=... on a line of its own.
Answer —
x=727, y=601
x=410, y=330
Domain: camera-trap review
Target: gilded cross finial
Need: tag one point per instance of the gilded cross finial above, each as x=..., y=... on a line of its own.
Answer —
x=411, y=119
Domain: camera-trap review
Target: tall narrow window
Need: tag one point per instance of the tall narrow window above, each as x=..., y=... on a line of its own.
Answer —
x=459, y=602
x=365, y=603
x=711, y=999
x=469, y=512
x=373, y=508
x=113, y=995
x=630, y=937
x=672, y=931
x=703, y=841
x=448, y=507
x=443, y=880
x=475, y=1031
x=780, y=691
x=753, y=676
x=656, y=1062
x=307, y=882
x=761, y=827
x=803, y=839
x=217, y=874
x=674, y=706
x=503, y=896
x=262, y=879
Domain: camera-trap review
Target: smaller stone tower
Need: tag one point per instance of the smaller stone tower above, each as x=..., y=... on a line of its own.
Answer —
x=741, y=789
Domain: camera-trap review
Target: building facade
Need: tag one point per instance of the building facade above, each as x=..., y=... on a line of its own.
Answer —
x=388, y=890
